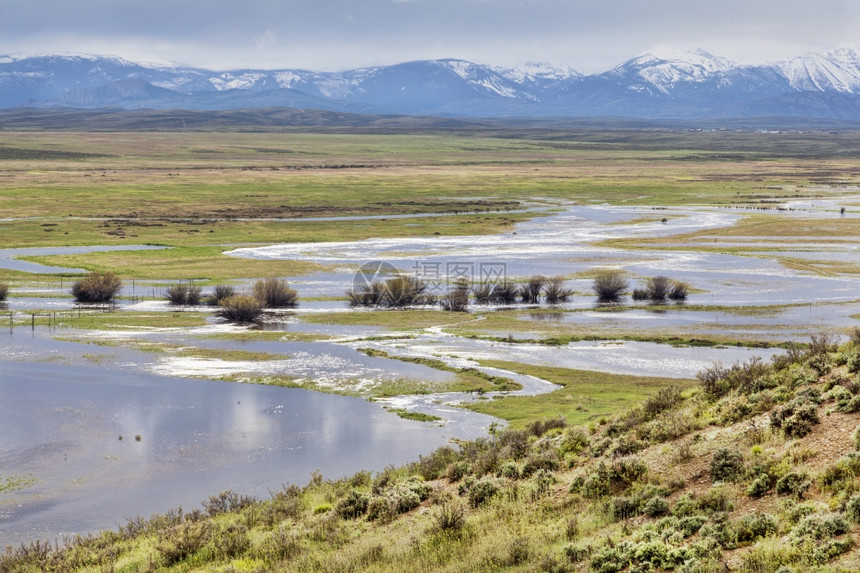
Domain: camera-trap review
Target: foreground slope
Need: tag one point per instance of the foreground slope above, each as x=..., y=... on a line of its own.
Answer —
x=754, y=470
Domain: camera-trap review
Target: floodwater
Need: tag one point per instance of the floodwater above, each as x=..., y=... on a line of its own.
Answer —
x=65, y=405
x=104, y=443
x=563, y=244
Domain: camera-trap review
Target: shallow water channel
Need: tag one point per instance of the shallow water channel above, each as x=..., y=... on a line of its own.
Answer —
x=95, y=433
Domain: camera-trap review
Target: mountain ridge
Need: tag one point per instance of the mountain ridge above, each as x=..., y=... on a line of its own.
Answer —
x=655, y=85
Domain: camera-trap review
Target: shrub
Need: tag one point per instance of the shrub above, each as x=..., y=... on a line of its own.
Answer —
x=353, y=505
x=220, y=293
x=555, y=291
x=233, y=540
x=457, y=299
x=483, y=293
x=509, y=470
x=540, y=427
x=760, y=485
x=505, y=293
x=574, y=441
x=4, y=291
x=182, y=541
x=97, y=287
x=240, y=308
x=665, y=399
x=530, y=291
x=754, y=526
x=379, y=508
x=281, y=545
x=852, y=508
x=624, y=507
x=819, y=527
x=745, y=377
x=640, y=294
x=658, y=288
x=726, y=465
x=225, y=502
x=678, y=291
x=403, y=499
x=450, y=516
x=609, y=285
x=795, y=418
x=483, y=490
x=372, y=295
x=275, y=293
x=183, y=294
x=655, y=506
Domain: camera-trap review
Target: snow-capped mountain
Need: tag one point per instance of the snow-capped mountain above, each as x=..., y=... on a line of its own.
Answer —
x=836, y=71
x=661, y=73
x=656, y=84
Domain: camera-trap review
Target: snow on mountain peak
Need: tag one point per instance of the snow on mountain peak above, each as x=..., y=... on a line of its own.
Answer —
x=536, y=71
x=663, y=68
x=837, y=70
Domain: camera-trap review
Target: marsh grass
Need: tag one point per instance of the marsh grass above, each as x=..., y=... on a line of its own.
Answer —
x=274, y=292
x=240, y=308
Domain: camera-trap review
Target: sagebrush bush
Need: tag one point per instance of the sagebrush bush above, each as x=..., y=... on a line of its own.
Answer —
x=484, y=489
x=609, y=285
x=97, y=287
x=793, y=483
x=540, y=427
x=219, y=293
x=505, y=293
x=796, y=418
x=183, y=294
x=275, y=293
x=726, y=465
x=353, y=505
x=183, y=540
x=530, y=291
x=555, y=291
x=399, y=291
x=457, y=299
x=450, y=516
x=225, y=502
x=483, y=293
x=678, y=291
x=745, y=377
x=240, y=308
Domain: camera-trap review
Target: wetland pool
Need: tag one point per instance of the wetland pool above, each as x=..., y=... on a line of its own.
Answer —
x=70, y=432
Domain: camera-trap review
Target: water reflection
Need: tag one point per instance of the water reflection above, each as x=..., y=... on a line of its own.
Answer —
x=62, y=425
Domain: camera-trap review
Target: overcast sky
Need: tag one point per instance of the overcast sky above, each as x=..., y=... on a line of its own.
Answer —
x=588, y=35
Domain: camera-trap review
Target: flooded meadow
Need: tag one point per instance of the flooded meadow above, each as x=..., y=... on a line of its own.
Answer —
x=103, y=424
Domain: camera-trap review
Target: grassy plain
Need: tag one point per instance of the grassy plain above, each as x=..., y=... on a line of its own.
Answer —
x=201, y=193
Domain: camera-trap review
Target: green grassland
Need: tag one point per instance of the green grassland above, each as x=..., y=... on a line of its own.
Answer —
x=607, y=473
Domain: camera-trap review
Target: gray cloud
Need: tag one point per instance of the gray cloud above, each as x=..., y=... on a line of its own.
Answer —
x=591, y=35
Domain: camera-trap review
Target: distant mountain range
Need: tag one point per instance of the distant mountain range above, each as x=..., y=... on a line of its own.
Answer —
x=692, y=85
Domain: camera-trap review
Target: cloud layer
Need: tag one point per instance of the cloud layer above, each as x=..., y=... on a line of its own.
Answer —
x=591, y=35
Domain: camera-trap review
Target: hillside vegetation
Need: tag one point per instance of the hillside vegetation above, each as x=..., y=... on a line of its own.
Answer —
x=754, y=470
